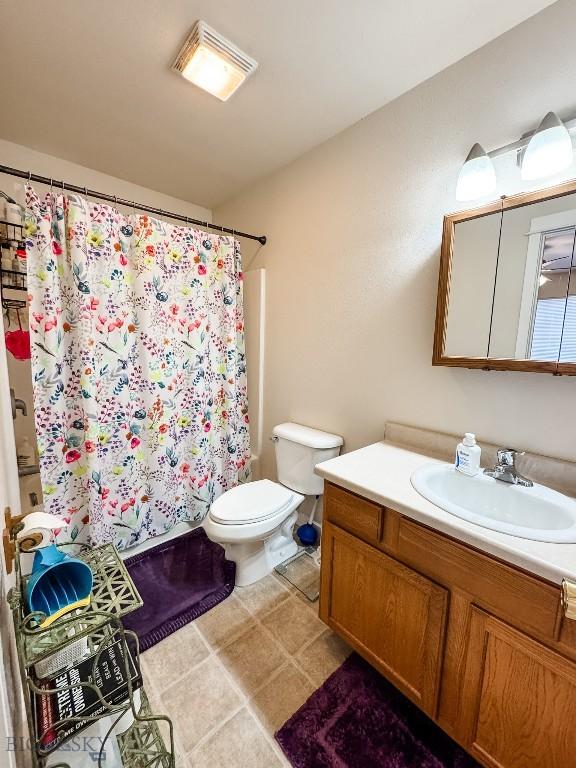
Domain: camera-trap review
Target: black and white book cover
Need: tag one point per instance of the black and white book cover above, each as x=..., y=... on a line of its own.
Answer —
x=70, y=699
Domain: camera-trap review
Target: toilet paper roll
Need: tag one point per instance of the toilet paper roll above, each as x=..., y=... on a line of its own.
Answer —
x=37, y=530
x=127, y=718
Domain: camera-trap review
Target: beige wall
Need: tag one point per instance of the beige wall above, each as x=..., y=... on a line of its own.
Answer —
x=354, y=233
x=27, y=159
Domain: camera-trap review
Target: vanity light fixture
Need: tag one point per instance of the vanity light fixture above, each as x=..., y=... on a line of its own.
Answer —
x=549, y=151
x=477, y=177
x=541, y=153
x=212, y=62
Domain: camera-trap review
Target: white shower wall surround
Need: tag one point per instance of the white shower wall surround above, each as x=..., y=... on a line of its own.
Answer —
x=138, y=368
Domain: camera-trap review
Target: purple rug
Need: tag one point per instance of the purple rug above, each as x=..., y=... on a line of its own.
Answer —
x=178, y=581
x=357, y=719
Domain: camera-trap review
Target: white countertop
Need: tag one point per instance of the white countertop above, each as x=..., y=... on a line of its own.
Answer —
x=381, y=472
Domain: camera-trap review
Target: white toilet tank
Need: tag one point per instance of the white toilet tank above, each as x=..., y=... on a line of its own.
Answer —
x=298, y=450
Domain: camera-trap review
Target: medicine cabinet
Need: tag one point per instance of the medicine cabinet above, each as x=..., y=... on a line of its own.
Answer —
x=507, y=285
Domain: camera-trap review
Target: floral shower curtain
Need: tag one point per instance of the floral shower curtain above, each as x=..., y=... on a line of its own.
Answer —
x=138, y=368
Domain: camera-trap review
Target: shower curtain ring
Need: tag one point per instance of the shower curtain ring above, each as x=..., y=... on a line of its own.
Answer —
x=29, y=176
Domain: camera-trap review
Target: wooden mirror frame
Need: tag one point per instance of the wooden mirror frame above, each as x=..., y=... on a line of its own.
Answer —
x=439, y=356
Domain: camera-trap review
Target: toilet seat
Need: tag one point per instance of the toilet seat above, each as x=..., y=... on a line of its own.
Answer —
x=252, y=502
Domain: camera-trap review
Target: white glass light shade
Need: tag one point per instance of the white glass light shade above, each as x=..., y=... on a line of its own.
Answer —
x=213, y=73
x=477, y=177
x=212, y=62
x=549, y=150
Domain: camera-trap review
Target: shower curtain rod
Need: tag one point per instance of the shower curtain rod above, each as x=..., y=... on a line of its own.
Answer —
x=64, y=185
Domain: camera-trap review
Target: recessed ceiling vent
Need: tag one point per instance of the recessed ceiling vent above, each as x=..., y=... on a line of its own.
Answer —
x=212, y=62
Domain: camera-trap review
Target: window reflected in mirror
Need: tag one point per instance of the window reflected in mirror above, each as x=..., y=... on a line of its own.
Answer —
x=532, y=278
x=553, y=304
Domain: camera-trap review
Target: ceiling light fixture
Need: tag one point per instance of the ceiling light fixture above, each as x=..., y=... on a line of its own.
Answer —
x=549, y=151
x=212, y=62
x=477, y=177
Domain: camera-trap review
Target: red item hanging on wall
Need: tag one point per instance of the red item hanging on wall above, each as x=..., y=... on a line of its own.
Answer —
x=18, y=342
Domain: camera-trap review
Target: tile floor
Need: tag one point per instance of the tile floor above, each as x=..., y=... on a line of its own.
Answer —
x=230, y=679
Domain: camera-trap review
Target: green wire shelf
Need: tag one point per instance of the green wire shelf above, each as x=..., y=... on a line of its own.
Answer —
x=142, y=746
x=103, y=705
x=113, y=595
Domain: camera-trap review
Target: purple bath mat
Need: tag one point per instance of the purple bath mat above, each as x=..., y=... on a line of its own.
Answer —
x=178, y=581
x=356, y=719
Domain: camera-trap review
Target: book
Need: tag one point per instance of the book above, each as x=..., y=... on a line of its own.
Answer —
x=53, y=709
x=44, y=717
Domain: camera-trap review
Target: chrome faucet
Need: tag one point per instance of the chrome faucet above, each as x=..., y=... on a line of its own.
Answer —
x=505, y=468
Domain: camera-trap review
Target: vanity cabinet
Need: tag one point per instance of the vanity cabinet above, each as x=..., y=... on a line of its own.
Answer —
x=395, y=616
x=482, y=647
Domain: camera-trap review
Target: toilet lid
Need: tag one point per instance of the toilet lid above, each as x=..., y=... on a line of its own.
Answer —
x=251, y=503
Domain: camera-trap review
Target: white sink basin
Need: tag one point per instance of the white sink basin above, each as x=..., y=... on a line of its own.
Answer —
x=537, y=513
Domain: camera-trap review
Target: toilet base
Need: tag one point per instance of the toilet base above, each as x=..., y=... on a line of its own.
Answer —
x=256, y=559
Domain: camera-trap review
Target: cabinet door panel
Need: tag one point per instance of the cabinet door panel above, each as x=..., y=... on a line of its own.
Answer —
x=522, y=699
x=393, y=616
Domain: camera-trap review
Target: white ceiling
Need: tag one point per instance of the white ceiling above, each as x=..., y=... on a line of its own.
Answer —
x=90, y=81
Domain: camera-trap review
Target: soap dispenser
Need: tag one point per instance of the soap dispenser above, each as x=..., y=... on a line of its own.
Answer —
x=468, y=455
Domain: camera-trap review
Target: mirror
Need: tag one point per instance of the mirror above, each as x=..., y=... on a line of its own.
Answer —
x=474, y=264
x=532, y=279
x=507, y=287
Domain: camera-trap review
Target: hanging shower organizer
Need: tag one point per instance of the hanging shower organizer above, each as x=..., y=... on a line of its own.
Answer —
x=85, y=633
x=11, y=280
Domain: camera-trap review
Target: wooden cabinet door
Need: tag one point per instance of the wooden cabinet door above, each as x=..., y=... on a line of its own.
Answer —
x=521, y=699
x=392, y=615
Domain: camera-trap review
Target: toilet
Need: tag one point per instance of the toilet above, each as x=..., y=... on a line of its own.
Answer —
x=254, y=521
